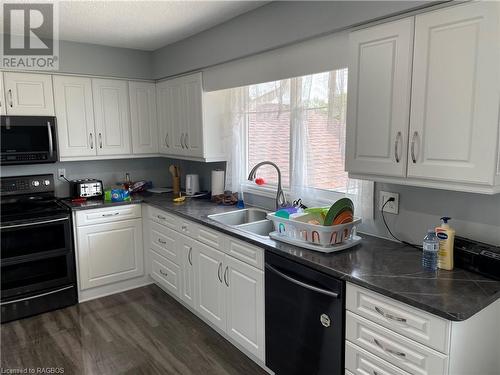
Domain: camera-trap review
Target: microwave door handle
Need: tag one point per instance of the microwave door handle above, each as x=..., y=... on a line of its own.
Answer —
x=51, y=144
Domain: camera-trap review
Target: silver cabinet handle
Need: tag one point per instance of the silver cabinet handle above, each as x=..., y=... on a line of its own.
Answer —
x=396, y=144
x=161, y=217
x=186, y=140
x=109, y=215
x=300, y=283
x=91, y=141
x=182, y=140
x=226, y=276
x=163, y=273
x=388, y=350
x=10, y=98
x=162, y=242
x=100, y=140
x=219, y=271
x=51, y=145
x=166, y=140
x=390, y=316
x=414, y=138
x=190, y=255
x=184, y=228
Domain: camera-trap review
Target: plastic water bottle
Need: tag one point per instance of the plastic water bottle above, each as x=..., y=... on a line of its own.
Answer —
x=430, y=251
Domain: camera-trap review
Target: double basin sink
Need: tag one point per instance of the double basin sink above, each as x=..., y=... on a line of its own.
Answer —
x=251, y=220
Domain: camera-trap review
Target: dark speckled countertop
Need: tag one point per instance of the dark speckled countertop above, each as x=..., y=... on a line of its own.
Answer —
x=384, y=266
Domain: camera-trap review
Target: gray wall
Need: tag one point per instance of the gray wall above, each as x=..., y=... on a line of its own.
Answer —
x=271, y=26
x=112, y=171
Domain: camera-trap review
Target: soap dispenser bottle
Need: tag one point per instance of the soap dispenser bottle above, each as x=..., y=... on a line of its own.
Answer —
x=446, y=236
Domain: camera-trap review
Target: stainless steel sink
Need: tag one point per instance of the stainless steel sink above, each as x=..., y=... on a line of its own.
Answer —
x=238, y=217
x=260, y=228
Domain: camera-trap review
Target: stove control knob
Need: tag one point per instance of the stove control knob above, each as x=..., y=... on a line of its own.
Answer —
x=35, y=183
x=46, y=182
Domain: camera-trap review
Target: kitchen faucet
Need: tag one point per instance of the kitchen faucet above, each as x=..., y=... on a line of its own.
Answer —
x=280, y=195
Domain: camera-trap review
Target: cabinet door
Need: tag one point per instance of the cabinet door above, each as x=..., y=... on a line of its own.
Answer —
x=143, y=117
x=3, y=105
x=210, y=289
x=188, y=265
x=110, y=252
x=165, y=100
x=75, y=116
x=112, y=121
x=179, y=128
x=29, y=94
x=245, y=305
x=192, y=109
x=379, y=98
x=454, y=115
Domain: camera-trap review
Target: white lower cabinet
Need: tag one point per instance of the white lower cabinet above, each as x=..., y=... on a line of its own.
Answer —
x=223, y=285
x=385, y=336
x=109, y=252
x=245, y=305
x=210, y=285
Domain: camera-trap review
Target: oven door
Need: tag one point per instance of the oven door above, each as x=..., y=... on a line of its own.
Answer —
x=36, y=256
x=28, y=139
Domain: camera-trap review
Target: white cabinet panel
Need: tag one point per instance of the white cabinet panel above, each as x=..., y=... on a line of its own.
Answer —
x=112, y=121
x=379, y=98
x=75, y=116
x=164, y=242
x=143, y=117
x=165, y=273
x=3, y=105
x=192, y=108
x=210, y=287
x=29, y=94
x=110, y=252
x=361, y=362
x=188, y=266
x=165, y=110
x=454, y=115
x=245, y=305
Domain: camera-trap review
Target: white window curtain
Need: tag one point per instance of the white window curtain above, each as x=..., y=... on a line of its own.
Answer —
x=298, y=96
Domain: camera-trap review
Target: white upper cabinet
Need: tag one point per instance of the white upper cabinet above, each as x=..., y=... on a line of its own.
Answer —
x=143, y=117
x=452, y=136
x=190, y=120
x=379, y=98
x=28, y=94
x=454, y=115
x=3, y=109
x=112, y=119
x=75, y=116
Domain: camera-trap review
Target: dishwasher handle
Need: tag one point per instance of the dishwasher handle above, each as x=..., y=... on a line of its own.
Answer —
x=300, y=283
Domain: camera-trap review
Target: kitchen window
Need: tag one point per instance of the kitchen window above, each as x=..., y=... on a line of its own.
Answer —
x=299, y=124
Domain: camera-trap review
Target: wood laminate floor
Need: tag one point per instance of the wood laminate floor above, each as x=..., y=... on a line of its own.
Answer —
x=141, y=331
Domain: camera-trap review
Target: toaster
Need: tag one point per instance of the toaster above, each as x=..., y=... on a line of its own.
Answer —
x=86, y=188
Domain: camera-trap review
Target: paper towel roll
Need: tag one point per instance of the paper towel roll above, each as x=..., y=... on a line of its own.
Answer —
x=218, y=181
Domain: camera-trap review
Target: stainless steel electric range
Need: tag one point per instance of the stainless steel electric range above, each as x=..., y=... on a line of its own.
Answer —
x=37, y=256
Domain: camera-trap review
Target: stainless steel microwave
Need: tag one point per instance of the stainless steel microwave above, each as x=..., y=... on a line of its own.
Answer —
x=28, y=139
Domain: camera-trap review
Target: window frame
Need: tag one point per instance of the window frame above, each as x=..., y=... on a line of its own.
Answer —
x=318, y=196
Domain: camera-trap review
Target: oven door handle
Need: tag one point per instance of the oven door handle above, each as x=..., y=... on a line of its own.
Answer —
x=35, y=223
x=51, y=142
x=300, y=283
x=37, y=296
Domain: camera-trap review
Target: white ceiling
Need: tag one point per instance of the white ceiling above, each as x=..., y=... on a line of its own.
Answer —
x=144, y=25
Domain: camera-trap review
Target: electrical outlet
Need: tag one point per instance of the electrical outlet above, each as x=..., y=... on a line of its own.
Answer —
x=61, y=172
x=391, y=207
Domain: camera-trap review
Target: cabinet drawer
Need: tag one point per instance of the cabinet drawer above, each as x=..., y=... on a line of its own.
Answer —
x=165, y=273
x=361, y=362
x=245, y=252
x=108, y=214
x=418, y=325
x=394, y=348
x=163, y=218
x=163, y=241
x=209, y=237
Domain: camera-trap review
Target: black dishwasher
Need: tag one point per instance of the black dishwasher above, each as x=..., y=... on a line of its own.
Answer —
x=304, y=319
